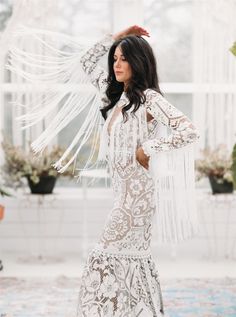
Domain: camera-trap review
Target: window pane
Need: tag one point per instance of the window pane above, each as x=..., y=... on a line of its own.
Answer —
x=181, y=101
x=85, y=17
x=170, y=24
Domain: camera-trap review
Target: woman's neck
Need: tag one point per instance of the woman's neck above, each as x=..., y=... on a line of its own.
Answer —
x=125, y=86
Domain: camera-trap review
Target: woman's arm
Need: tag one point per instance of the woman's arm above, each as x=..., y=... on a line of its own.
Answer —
x=183, y=130
x=90, y=59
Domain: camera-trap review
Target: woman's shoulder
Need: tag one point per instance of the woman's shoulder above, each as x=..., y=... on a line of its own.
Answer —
x=151, y=93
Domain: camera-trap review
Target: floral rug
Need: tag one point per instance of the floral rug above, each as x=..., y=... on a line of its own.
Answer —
x=36, y=297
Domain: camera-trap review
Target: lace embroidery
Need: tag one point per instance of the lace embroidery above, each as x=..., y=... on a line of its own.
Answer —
x=115, y=283
x=183, y=131
x=119, y=286
x=115, y=115
x=89, y=62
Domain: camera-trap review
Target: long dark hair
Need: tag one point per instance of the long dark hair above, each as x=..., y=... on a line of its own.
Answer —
x=139, y=55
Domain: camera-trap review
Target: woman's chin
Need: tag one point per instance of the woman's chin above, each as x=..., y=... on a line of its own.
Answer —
x=119, y=79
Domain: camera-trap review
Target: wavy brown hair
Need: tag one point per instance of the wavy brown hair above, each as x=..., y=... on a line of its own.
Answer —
x=139, y=54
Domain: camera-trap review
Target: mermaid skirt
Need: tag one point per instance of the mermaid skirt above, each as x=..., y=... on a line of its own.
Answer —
x=120, y=278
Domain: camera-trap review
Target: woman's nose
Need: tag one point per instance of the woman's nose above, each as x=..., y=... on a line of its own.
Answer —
x=117, y=63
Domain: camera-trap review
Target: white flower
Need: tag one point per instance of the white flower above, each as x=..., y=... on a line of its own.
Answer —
x=109, y=286
x=92, y=281
x=228, y=176
x=136, y=187
x=118, y=225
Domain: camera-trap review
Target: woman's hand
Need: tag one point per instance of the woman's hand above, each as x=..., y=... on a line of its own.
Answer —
x=132, y=30
x=142, y=158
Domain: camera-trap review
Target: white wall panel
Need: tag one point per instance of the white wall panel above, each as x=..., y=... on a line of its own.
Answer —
x=68, y=228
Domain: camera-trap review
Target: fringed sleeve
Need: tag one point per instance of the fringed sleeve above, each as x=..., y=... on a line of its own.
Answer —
x=172, y=169
x=89, y=62
x=64, y=68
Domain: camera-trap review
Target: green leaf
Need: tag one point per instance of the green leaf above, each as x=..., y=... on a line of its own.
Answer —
x=233, y=49
x=3, y=192
x=233, y=168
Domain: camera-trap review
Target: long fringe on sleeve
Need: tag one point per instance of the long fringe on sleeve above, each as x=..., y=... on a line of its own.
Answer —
x=173, y=175
x=52, y=63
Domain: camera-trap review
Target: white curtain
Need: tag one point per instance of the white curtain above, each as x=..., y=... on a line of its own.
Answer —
x=215, y=71
x=33, y=13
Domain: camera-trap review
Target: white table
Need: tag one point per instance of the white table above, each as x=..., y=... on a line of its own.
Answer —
x=86, y=177
x=42, y=203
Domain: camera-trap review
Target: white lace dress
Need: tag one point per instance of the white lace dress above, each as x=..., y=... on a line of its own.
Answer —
x=120, y=278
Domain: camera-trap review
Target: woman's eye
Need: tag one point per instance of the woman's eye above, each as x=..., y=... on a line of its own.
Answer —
x=123, y=59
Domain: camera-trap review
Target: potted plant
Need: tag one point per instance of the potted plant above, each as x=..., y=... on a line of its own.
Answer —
x=217, y=166
x=234, y=165
x=2, y=208
x=38, y=170
x=233, y=49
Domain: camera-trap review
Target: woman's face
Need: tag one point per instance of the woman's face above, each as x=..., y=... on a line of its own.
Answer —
x=121, y=67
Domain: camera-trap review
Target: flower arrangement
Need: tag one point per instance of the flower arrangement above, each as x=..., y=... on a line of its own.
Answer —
x=216, y=163
x=21, y=164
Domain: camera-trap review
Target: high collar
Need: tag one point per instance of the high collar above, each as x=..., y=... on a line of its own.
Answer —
x=124, y=97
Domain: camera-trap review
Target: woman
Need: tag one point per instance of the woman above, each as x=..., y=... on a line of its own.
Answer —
x=120, y=278
x=151, y=171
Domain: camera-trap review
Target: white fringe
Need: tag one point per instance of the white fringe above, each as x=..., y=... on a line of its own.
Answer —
x=56, y=63
x=173, y=175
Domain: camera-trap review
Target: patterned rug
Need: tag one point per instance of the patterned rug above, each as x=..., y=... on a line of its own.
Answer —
x=58, y=297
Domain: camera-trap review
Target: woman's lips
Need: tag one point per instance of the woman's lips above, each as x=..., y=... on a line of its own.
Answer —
x=118, y=73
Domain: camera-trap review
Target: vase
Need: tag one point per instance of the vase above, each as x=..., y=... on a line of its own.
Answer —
x=220, y=186
x=45, y=185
